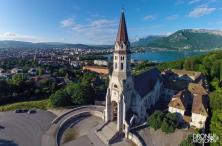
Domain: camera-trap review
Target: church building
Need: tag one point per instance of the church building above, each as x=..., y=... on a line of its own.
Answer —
x=129, y=97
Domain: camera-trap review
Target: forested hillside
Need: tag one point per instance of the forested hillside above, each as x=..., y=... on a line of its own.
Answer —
x=185, y=39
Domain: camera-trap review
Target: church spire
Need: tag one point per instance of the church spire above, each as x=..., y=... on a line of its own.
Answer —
x=122, y=36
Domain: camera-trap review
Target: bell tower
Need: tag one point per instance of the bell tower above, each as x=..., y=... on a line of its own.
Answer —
x=121, y=55
x=121, y=83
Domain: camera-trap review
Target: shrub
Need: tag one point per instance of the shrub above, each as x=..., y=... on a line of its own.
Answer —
x=169, y=123
x=60, y=98
x=79, y=93
x=155, y=120
x=167, y=127
x=188, y=141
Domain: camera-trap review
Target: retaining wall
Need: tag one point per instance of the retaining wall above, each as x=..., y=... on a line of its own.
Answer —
x=134, y=138
x=72, y=110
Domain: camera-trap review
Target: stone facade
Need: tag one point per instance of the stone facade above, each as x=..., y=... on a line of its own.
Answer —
x=129, y=97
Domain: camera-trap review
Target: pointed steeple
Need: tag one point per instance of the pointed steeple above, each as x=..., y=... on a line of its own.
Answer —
x=122, y=36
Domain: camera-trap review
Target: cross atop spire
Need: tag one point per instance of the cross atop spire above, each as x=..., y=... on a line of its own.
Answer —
x=122, y=36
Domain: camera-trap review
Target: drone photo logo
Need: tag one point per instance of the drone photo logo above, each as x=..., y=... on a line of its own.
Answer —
x=205, y=138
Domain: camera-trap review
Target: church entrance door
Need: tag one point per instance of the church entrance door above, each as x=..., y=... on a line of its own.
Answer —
x=114, y=111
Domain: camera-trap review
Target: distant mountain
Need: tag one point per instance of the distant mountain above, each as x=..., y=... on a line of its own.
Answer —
x=190, y=39
x=21, y=44
x=145, y=41
x=185, y=39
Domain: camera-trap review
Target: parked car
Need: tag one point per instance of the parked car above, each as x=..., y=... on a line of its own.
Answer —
x=21, y=111
x=25, y=110
x=32, y=111
x=18, y=111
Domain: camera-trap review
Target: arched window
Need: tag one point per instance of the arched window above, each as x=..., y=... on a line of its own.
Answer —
x=115, y=86
x=121, y=66
x=115, y=65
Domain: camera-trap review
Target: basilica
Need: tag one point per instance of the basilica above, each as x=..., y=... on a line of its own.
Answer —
x=129, y=97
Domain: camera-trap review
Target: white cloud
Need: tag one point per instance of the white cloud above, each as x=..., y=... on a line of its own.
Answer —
x=102, y=23
x=201, y=11
x=19, y=37
x=67, y=22
x=181, y=2
x=97, y=31
x=168, y=33
x=149, y=17
x=172, y=17
x=194, y=1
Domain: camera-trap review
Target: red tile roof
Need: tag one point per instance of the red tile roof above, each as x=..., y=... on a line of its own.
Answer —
x=178, y=101
x=200, y=105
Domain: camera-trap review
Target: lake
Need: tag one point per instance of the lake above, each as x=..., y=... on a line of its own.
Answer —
x=164, y=56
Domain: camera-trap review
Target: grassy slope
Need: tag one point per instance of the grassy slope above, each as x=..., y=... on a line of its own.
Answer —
x=41, y=104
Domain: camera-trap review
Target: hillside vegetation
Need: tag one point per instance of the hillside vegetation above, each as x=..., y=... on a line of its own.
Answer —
x=142, y=42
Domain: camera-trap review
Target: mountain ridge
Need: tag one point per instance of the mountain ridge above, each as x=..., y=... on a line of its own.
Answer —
x=24, y=44
x=189, y=39
x=185, y=39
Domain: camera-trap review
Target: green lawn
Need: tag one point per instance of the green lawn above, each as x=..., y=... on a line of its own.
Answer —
x=40, y=104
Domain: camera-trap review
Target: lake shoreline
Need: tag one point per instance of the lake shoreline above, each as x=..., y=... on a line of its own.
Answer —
x=164, y=55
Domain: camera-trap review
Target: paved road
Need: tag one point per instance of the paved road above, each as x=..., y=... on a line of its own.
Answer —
x=22, y=129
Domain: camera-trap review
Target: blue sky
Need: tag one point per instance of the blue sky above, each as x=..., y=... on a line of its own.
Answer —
x=96, y=21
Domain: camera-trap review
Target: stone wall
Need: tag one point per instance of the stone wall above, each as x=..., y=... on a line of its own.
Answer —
x=87, y=107
x=135, y=139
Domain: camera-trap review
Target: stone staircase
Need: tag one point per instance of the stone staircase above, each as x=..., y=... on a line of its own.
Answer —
x=107, y=133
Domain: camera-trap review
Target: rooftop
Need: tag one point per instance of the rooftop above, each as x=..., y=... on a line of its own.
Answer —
x=200, y=105
x=145, y=82
x=193, y=74
x=179, y=101
x=195, y=88
x=122, y=36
